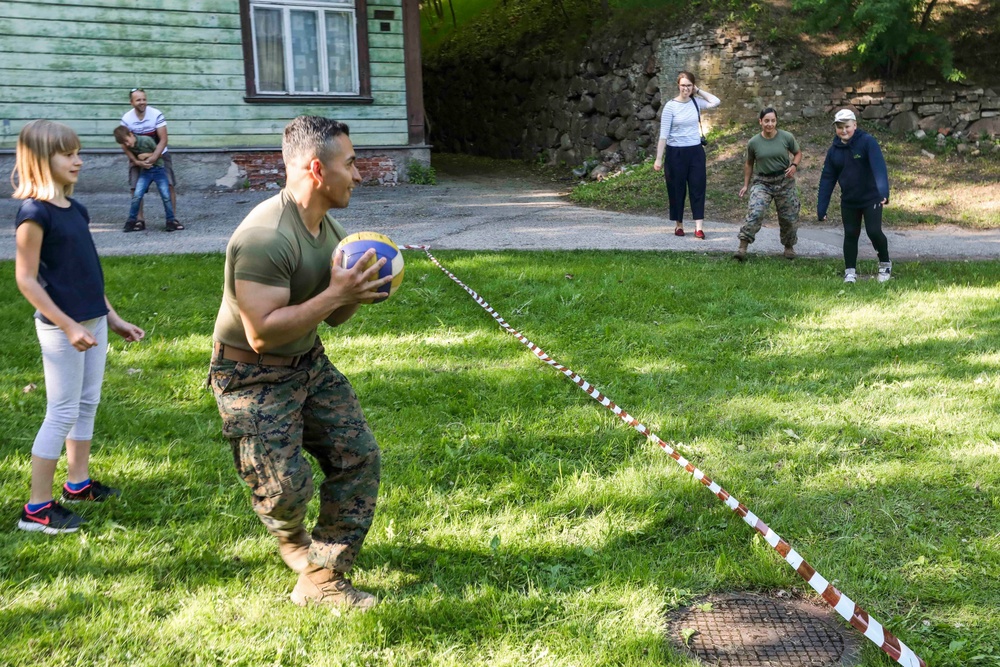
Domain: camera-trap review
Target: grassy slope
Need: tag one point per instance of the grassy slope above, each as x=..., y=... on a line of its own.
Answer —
x=514, y=17
x=435, y=29
x=950, y=188
x=971, y=27
x=519, y=522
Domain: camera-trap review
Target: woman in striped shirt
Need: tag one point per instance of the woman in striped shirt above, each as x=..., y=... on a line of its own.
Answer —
x=681, y=140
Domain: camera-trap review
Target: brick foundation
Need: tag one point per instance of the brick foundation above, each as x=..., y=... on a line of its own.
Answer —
x=260, y=170
x=378, y=170
x=265, y=170
x=214, y=170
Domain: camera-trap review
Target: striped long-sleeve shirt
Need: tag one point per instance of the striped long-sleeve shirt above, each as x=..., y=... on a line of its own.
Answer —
x=679, y=122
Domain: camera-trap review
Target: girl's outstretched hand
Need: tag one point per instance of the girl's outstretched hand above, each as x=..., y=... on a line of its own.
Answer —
x=127, y=330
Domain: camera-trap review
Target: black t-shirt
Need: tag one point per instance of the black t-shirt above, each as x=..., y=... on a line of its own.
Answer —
x=69, y=268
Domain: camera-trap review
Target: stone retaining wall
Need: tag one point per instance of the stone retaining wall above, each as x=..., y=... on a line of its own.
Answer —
x=603, y=105
x=929, y=107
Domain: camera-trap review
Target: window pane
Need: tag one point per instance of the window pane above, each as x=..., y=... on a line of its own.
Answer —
x=305, y=51
x=270, y=39
x=340, y=52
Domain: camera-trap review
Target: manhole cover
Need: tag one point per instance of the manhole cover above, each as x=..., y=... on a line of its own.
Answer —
x=744, y=630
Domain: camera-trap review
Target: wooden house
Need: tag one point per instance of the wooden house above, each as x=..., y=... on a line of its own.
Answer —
x=227, y=74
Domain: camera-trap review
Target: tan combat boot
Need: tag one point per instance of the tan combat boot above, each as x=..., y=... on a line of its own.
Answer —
x=789, y=252
x=741, y=254
x=294, y=550
x=323, y=586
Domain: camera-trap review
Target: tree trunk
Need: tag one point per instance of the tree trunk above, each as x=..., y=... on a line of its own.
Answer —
x=927, y=15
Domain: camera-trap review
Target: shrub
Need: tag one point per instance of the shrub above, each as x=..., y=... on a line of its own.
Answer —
x=888, y=34
x=418, y=174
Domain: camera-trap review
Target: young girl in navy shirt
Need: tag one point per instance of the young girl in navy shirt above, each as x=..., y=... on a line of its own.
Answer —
x=59, y=273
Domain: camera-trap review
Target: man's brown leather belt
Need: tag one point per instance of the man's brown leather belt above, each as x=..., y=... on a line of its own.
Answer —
x=248, y=357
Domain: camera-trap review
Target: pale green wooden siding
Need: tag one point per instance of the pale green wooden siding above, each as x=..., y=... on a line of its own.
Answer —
x=75, y=63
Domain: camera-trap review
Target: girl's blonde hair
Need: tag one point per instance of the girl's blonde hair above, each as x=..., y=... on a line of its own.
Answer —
x=38, y=141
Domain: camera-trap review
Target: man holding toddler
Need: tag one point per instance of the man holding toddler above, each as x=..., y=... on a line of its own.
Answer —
x=143, y=148
x=144, y=120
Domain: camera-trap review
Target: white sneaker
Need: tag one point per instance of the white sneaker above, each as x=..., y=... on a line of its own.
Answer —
x=884, y=271
x=850, y=276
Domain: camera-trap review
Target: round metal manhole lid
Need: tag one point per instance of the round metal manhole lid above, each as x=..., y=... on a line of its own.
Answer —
x=746, y=630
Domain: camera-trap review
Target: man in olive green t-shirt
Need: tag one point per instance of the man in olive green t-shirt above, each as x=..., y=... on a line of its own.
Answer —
x=773, y=178
x=277, y=392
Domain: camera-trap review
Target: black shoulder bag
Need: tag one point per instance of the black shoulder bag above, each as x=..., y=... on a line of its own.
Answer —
x=704, y=141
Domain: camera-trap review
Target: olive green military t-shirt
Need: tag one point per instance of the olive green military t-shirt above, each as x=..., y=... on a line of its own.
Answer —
x=273, y=247
x=771, y=155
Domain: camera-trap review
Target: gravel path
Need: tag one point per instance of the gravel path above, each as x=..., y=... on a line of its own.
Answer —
x=485, y=213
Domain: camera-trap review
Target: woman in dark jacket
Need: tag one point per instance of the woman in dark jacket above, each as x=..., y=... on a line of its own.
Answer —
x=855, y=161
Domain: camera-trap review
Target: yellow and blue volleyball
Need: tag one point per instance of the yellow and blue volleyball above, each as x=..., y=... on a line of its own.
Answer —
x=355, y=245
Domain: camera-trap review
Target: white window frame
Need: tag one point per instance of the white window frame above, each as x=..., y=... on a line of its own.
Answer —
x=319, y=7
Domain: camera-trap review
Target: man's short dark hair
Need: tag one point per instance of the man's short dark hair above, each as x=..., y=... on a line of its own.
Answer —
x=767, y=110
x=311, y=136
x=121, y=134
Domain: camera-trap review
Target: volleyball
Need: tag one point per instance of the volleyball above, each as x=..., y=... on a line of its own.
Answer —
x=355, y=245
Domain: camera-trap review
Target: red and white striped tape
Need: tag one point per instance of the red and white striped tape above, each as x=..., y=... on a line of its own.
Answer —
x=843, y=605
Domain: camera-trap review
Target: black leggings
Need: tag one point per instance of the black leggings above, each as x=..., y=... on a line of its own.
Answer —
x=684, y=170
x=852, y=232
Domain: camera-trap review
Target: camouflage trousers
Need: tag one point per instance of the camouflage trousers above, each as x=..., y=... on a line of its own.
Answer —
x=786, y=199
x=271, y=415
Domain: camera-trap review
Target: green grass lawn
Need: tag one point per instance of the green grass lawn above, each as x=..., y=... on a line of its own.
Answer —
x=519, y=522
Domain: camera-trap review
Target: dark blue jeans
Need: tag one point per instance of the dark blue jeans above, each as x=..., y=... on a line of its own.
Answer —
x=156, y=175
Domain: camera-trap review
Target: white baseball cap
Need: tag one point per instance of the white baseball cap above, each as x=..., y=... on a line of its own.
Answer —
x=844, y=115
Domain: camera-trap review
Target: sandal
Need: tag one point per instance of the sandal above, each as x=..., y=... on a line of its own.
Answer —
x=135, y=226
x=679, y=231
x=174, y=226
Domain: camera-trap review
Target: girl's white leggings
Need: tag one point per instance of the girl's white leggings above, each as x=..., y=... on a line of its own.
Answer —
x=72, y=386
